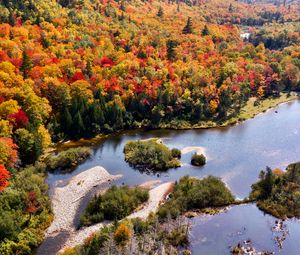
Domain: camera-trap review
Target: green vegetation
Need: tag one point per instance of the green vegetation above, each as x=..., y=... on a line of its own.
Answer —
x=277, y=192
x=190, y=193
x=115, y=204
x=67, y=160
x=24, y=212
x=198, y=160
x=176, y=153
x=150, y=155
x=136, y=236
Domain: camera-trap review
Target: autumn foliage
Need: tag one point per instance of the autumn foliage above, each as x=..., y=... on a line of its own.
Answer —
x=4, y=175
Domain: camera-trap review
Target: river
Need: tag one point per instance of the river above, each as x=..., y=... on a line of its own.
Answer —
x=236, y=154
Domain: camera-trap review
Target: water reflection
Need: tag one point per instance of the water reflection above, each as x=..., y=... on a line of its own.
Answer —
x=245, y=225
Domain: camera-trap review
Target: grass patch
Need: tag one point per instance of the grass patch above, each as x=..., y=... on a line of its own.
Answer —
x=115, y=204
x=150, y=155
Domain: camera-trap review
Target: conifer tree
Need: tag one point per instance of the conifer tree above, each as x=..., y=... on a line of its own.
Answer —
x=205, y=31
x=78, y=126
x=188, y=29
x=160, y=12
x=26, y=65
x=122, y=6
x=171, y=44
x=88, y=69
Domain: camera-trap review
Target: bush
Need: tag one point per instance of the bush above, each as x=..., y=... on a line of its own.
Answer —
x=198, y=160
x=176, y=153
x=191, y=193
x=150, y=155
x=115, y=204
x=67, y=160
x=122, y=234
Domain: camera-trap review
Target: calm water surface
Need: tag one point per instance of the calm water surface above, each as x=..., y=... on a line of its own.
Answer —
x=235, y=154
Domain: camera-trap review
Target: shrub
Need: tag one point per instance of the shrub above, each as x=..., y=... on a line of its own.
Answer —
x=115, y=204
x=176, y=153
x=198, y=160
x=149, y=155
x=122, y=234
x=67, y=160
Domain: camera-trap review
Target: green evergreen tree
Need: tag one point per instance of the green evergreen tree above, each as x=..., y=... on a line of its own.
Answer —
x=26, y=65
x=45, y=42
x=188, y=29
x=78, y=126
x=205, y=31
x=88, y=69
x=171, y=44
x=67, y=122
x=160, y=12
x=122, y=6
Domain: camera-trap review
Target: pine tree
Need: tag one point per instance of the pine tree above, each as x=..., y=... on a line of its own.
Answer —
x=26, y=65
x=171, y=44
x=88, y=69
x=122, y=7
x=160, y=12
x=78, y=126
x=67, y=121
x=188, y=29
x=205, y=31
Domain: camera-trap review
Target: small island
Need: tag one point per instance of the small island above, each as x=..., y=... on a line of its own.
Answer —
x=198, y=160
x=278, y=192
x=195, y=194
x=115, y=204
x=151, y=155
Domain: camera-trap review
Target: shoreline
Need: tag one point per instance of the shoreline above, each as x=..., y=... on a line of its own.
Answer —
x=66, y=204
x=243, y=116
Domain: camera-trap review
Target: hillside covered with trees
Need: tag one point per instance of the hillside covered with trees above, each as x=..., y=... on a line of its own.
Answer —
x=72, y=69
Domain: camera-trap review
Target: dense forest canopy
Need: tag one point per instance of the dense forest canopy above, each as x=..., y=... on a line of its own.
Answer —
x=73, y=69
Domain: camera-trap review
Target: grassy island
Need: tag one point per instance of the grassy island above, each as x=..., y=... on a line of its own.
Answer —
x=67, y=160
x=278, y=192
x=116, y=203
x=151, y=155
x=191, y=193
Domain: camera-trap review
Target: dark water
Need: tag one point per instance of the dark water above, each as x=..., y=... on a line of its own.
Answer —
x=236, y=154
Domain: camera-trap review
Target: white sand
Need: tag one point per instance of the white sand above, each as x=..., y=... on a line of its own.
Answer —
x=156, y=196
x=198, y=149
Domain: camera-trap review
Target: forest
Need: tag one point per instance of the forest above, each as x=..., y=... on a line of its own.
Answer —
x=72, y=69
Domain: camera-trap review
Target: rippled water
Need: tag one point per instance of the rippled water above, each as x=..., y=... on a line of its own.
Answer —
x=216, y=234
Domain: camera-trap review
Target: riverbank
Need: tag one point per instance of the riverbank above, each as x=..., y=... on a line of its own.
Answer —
x=250, y=110
x=66, y=202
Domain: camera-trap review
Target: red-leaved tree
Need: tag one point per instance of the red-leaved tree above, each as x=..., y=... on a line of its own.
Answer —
x=19, y=119
x=4, y=175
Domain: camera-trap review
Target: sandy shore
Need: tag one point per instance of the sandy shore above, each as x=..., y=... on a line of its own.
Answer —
x=198, y=149
x=156, y=196
x=66, y=201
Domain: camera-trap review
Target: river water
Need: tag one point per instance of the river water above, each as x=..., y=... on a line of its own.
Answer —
x=235, y=154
